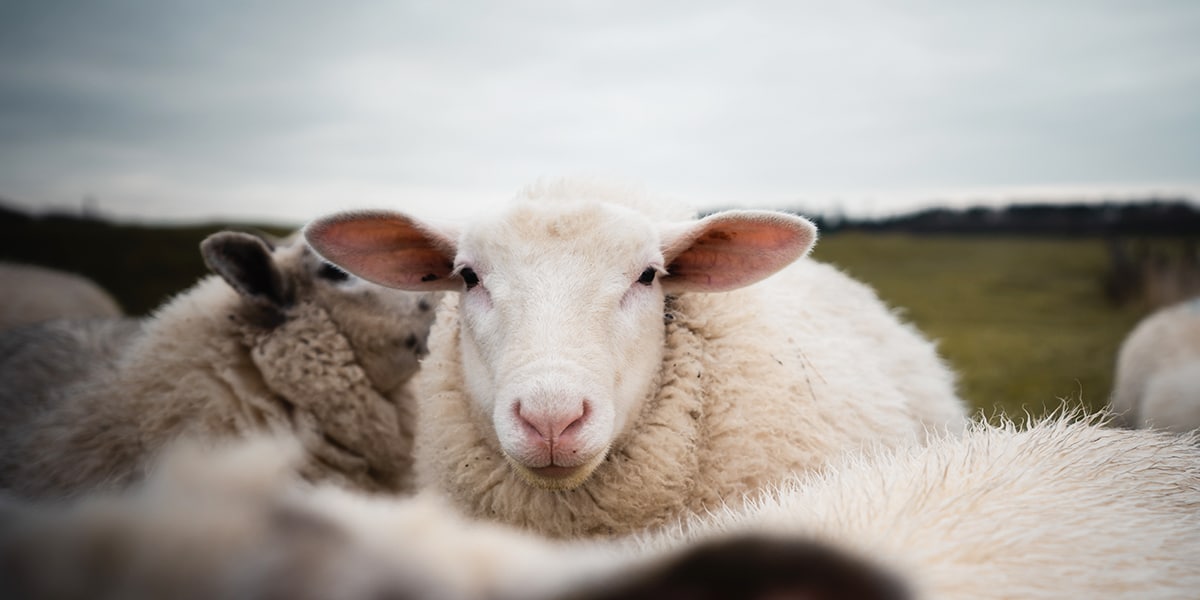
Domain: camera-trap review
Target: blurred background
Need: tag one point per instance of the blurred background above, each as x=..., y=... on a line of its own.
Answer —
x=1019, y=179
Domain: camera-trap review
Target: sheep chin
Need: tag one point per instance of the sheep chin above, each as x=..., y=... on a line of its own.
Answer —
x=579, y=477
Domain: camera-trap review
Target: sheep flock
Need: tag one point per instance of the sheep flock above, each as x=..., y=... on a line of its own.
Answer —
x=587, y=392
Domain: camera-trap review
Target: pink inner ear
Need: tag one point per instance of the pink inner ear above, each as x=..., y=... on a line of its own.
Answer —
x=735, y=249
x=386, y=248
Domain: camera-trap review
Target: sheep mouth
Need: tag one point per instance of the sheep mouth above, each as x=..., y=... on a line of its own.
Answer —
x=554, y=477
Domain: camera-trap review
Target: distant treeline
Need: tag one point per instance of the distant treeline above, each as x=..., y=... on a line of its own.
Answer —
x=1171, y=216
x=142, y=265
x=1153, y=246
x=1166, y=216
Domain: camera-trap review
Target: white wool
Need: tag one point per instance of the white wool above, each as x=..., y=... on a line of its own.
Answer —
x=1063, y=509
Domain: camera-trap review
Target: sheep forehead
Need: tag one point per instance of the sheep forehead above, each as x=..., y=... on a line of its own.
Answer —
x=617, y=193
x=590, y=237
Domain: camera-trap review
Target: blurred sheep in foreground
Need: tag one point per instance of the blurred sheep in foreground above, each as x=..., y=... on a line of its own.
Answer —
x=280, y=340
x=1060, y=510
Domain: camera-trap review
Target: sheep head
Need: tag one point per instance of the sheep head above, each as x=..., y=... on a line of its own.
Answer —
x=561, y=313
x=386, y=328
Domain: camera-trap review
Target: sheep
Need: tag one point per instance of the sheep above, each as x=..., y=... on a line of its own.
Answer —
x=610, y=362
x=277, y=338
x=33, y=294
x=1066, y=508
x=1157, y=380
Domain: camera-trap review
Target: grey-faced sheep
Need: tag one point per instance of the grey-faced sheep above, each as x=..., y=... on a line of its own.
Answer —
x=1062, y=510
x=279, y=340
x=1157, y=382
x=610, y=363
x=32, y=294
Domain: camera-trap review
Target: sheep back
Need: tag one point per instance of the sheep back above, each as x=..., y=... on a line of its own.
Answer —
x=33, y=294
x=1164, y=345
x=1062, y=509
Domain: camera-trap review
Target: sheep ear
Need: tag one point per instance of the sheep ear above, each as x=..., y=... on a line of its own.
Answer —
x=729, y=250
x=244, y=261
x=388, y=248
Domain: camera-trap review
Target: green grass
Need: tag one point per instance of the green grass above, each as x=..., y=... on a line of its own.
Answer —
x=1023, y=320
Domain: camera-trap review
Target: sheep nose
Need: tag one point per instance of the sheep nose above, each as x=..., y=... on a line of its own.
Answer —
x=556, y=427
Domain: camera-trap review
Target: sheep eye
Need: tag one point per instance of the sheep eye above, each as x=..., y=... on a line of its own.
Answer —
x=332, y=273
x=647, y=277
x=469, y=277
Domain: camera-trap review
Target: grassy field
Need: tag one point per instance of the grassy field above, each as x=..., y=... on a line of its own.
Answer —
x=1023, y=320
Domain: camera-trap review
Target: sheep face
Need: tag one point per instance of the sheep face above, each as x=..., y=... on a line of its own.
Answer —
x=561, y=314
x=561, y=331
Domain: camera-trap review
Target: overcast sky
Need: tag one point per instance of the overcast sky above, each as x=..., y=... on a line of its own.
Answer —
x=184, y=109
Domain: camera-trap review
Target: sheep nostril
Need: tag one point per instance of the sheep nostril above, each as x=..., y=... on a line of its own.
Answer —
x=552, y=425
x=575, y=425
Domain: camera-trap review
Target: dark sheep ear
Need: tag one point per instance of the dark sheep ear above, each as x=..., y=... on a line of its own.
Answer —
x=757, y=567
x=245, y=262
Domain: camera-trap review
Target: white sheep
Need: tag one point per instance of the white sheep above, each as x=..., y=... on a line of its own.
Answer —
x=280, y=339
x=612, y=363
x=32, y=294
x=1157, y=381
x=1064, y=509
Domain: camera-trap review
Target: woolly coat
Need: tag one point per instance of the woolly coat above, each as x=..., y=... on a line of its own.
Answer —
x=755, y=385
x=209, y=364
x=1157, y=381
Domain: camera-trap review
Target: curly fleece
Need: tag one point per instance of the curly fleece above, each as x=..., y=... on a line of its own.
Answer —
x=755, y=385
x=339, y=414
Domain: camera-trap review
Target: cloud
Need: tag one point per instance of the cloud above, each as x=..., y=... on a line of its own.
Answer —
x=176, y=109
